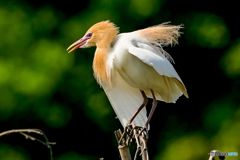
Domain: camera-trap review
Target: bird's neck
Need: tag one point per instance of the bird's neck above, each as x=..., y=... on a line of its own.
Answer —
x=101, y=70
x=100, y=65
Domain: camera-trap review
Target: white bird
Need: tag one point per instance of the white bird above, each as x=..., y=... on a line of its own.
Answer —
x=133, y=66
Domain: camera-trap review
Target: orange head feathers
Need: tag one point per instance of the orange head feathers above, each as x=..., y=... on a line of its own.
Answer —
x=100, y=34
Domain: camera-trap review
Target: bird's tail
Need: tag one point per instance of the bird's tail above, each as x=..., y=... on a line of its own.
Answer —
x=125, y=101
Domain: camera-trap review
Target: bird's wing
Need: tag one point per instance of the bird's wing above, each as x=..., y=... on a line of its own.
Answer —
x=125, y=101
x=159, y=62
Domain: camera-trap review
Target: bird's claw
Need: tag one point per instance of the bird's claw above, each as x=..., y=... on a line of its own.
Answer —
x=127, y=131
x=130, y=130
x=143, y=130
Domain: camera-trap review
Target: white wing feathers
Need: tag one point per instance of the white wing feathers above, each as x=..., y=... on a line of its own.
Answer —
x=125, y=101
x=159, y=62
x=155, y=59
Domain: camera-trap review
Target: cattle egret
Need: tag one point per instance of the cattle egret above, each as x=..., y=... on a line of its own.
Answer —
x=133, y=66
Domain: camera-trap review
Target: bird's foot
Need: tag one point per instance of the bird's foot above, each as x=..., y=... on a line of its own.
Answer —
x=127, y=131
x=140, y=134
x=143, y=131
x=130, y=130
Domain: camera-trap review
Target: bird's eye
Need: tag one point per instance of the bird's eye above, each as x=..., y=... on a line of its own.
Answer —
x=89, y=35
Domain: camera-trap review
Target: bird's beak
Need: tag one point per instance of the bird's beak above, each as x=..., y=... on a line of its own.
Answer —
x=78, y=44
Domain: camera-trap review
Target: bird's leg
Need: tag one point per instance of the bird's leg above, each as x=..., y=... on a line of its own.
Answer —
x=154, y=105
x=145, y=101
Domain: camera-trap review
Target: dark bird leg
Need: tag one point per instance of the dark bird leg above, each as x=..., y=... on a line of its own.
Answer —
x=145, y=101
x=154, y=105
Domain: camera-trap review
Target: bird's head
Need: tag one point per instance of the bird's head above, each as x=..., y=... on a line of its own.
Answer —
x=100, y=34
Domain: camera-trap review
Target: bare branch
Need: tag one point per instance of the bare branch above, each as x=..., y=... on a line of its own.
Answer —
x=21, y=130
x=37, y=131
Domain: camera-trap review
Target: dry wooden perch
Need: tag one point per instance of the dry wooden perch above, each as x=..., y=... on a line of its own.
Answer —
x=122, y=146
x=132, y=132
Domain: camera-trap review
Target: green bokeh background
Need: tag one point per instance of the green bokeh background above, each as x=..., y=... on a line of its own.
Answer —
x=41, y=86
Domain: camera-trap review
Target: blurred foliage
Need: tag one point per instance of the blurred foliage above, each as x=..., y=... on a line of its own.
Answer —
x=230, y=62
x=208, y=27
x=184, y=146
x=74, y=156
x=41, y=86
x=8, y=152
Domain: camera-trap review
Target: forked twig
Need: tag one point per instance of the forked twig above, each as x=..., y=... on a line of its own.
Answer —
x=37, y=131
x=144, y=150
x=134, y=132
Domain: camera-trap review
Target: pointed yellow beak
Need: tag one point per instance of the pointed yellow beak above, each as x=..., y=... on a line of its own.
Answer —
x=77, y=44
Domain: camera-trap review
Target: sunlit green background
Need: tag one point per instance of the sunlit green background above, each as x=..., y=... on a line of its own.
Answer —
x=41, y=86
